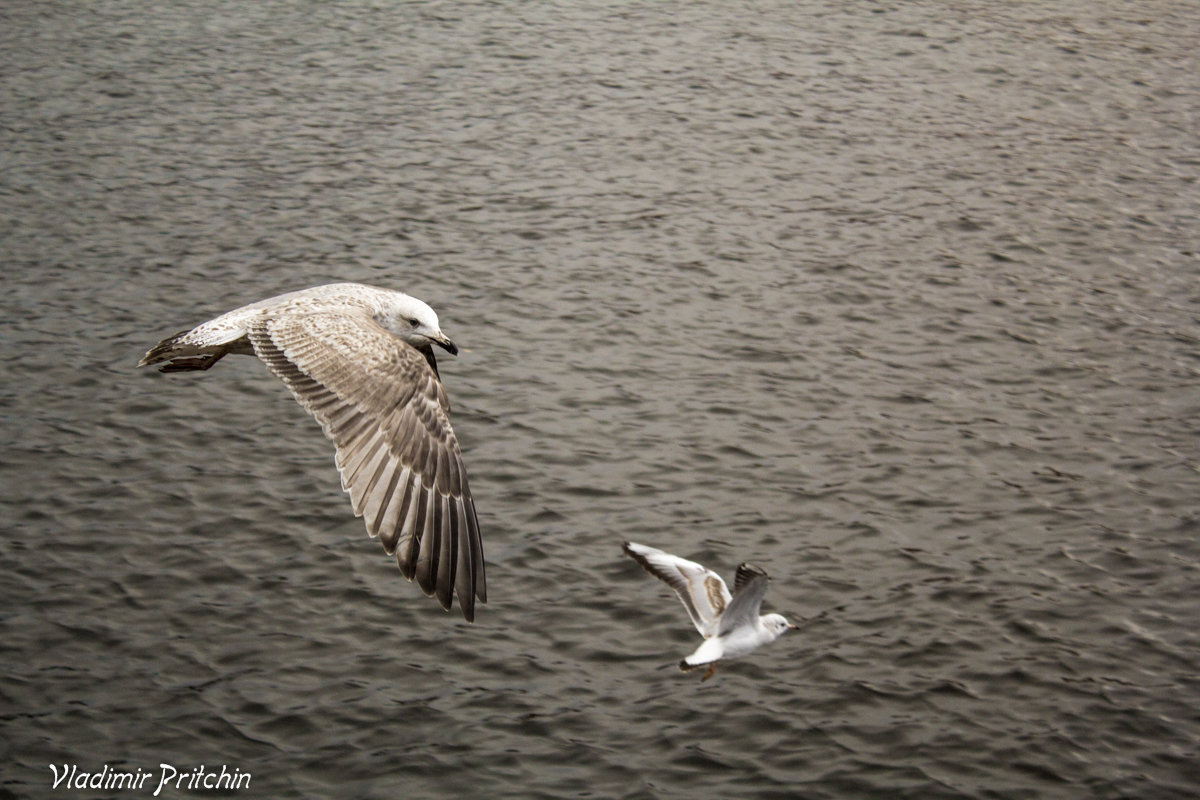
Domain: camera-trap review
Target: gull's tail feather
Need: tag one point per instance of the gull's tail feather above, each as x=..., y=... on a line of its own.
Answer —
x=163, y=350
x=190, y=364
x=180, y=355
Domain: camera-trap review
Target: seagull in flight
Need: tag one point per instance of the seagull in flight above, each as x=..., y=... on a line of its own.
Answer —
x=730, y=624
x=360, y=360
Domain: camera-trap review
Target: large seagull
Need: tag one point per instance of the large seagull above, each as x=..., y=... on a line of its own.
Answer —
x=360, y=360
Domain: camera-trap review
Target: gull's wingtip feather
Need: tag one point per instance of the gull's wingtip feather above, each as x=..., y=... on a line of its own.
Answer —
x=640, y=553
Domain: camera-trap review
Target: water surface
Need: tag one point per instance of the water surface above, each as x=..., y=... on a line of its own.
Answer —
x=897, y=301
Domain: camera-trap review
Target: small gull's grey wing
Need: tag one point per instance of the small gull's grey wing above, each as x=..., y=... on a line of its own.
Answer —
x=384, y=408
x=701, y=590
x=744, y=573
x=747, y=600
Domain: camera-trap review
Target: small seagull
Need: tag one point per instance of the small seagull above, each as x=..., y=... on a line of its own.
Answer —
x=360, y=360
x=730, y=624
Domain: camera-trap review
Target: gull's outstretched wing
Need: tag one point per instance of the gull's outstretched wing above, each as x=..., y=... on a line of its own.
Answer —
x=751, y=583
x=702, y=591
x=743, y=574
x=381, y=403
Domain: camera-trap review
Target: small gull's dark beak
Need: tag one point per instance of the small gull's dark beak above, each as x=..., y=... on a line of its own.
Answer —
x=447, y=345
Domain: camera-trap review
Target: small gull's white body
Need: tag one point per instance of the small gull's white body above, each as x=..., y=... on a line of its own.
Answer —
x=729, y=622
x=360, y=360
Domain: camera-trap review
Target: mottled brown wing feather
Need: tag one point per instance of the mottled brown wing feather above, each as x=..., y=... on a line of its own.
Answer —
x=385, y=410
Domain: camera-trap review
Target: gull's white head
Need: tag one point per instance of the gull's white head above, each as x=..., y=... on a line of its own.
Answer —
x=414, y=322
x=776, y=625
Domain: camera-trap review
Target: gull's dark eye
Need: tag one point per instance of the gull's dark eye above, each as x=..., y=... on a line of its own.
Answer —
x=414, y=322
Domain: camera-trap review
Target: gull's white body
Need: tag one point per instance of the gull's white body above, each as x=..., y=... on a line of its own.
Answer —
x=730, y=623
x=740, y=641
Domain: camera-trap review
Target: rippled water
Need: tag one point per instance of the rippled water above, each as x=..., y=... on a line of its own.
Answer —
x=899, y=301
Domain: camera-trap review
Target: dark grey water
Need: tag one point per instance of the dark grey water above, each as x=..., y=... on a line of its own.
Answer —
x=900, y=301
